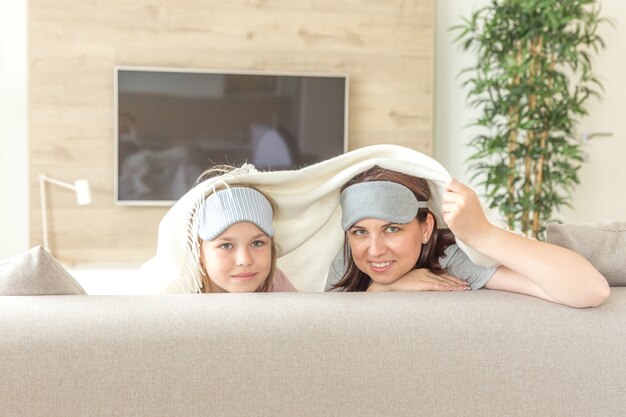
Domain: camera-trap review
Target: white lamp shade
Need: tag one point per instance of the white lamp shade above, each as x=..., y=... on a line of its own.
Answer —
x=83, y=192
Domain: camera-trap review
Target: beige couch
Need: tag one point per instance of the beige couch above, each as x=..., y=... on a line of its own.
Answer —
x=474, y=353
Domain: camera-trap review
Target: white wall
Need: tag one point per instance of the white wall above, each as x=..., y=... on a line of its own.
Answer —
x=452, y=115
x=600, y=196
x=13, y=129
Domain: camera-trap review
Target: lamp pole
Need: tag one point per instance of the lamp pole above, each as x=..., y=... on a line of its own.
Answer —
x=83, y=197
x=44, y=216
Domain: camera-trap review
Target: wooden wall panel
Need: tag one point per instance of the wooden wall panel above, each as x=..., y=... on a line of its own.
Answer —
x=386, y=47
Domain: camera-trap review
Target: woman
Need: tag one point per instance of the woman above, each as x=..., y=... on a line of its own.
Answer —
x=393, y=243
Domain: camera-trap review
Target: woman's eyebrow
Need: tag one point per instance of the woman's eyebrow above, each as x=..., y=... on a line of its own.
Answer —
x=389, y=224
x=357, y=227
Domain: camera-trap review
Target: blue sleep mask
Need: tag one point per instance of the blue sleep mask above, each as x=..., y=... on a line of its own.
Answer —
x=383, y=200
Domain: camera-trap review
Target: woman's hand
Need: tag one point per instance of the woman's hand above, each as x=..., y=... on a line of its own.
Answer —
x=463, y=213
x=422, y=279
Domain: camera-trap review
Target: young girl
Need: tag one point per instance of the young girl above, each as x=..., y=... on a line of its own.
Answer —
x=237, y=251
x=393, y=243
x=220, y=238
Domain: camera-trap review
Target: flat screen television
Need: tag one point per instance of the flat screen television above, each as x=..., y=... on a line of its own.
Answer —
x=172, y=124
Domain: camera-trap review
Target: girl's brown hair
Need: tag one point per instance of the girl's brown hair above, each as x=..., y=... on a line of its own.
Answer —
x=221, y=170
x=353, y=278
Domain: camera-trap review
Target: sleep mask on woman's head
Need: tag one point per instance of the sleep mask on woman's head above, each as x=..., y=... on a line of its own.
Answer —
x=233, y=205
x=383, y=200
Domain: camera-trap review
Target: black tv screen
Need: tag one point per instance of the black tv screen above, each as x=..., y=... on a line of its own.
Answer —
x=172, y=124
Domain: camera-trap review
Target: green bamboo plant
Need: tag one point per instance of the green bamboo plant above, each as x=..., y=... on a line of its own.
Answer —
x=531, y=80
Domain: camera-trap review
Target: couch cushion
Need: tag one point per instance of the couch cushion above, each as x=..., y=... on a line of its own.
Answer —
x=36, y=272
x=603, y=244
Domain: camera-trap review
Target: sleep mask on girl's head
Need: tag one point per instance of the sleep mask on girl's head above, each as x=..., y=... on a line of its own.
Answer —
x=233, y=205
x=383, y=200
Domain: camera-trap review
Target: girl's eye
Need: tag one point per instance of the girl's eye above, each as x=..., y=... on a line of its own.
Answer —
x=257, y=244
x=358, y=232
x=226, y=246
x=392, y=229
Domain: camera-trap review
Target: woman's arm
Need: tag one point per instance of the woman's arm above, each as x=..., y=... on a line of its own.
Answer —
x=528, y=266
x=422, y=279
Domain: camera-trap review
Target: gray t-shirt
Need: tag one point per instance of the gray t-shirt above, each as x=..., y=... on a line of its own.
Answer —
x=457, y=262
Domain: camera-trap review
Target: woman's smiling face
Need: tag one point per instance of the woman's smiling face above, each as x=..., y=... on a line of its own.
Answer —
x=386, y=251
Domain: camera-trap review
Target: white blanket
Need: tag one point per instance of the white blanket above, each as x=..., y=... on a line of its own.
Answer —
x=307, y=222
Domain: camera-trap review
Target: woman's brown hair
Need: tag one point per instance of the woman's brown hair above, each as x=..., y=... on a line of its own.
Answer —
x=356, y=280
x=221, y=170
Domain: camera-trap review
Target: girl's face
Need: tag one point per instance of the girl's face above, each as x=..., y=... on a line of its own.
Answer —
x=238, y=260
x=386, y=251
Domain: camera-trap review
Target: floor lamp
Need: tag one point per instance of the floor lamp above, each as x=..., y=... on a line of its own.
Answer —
x=83, y=197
